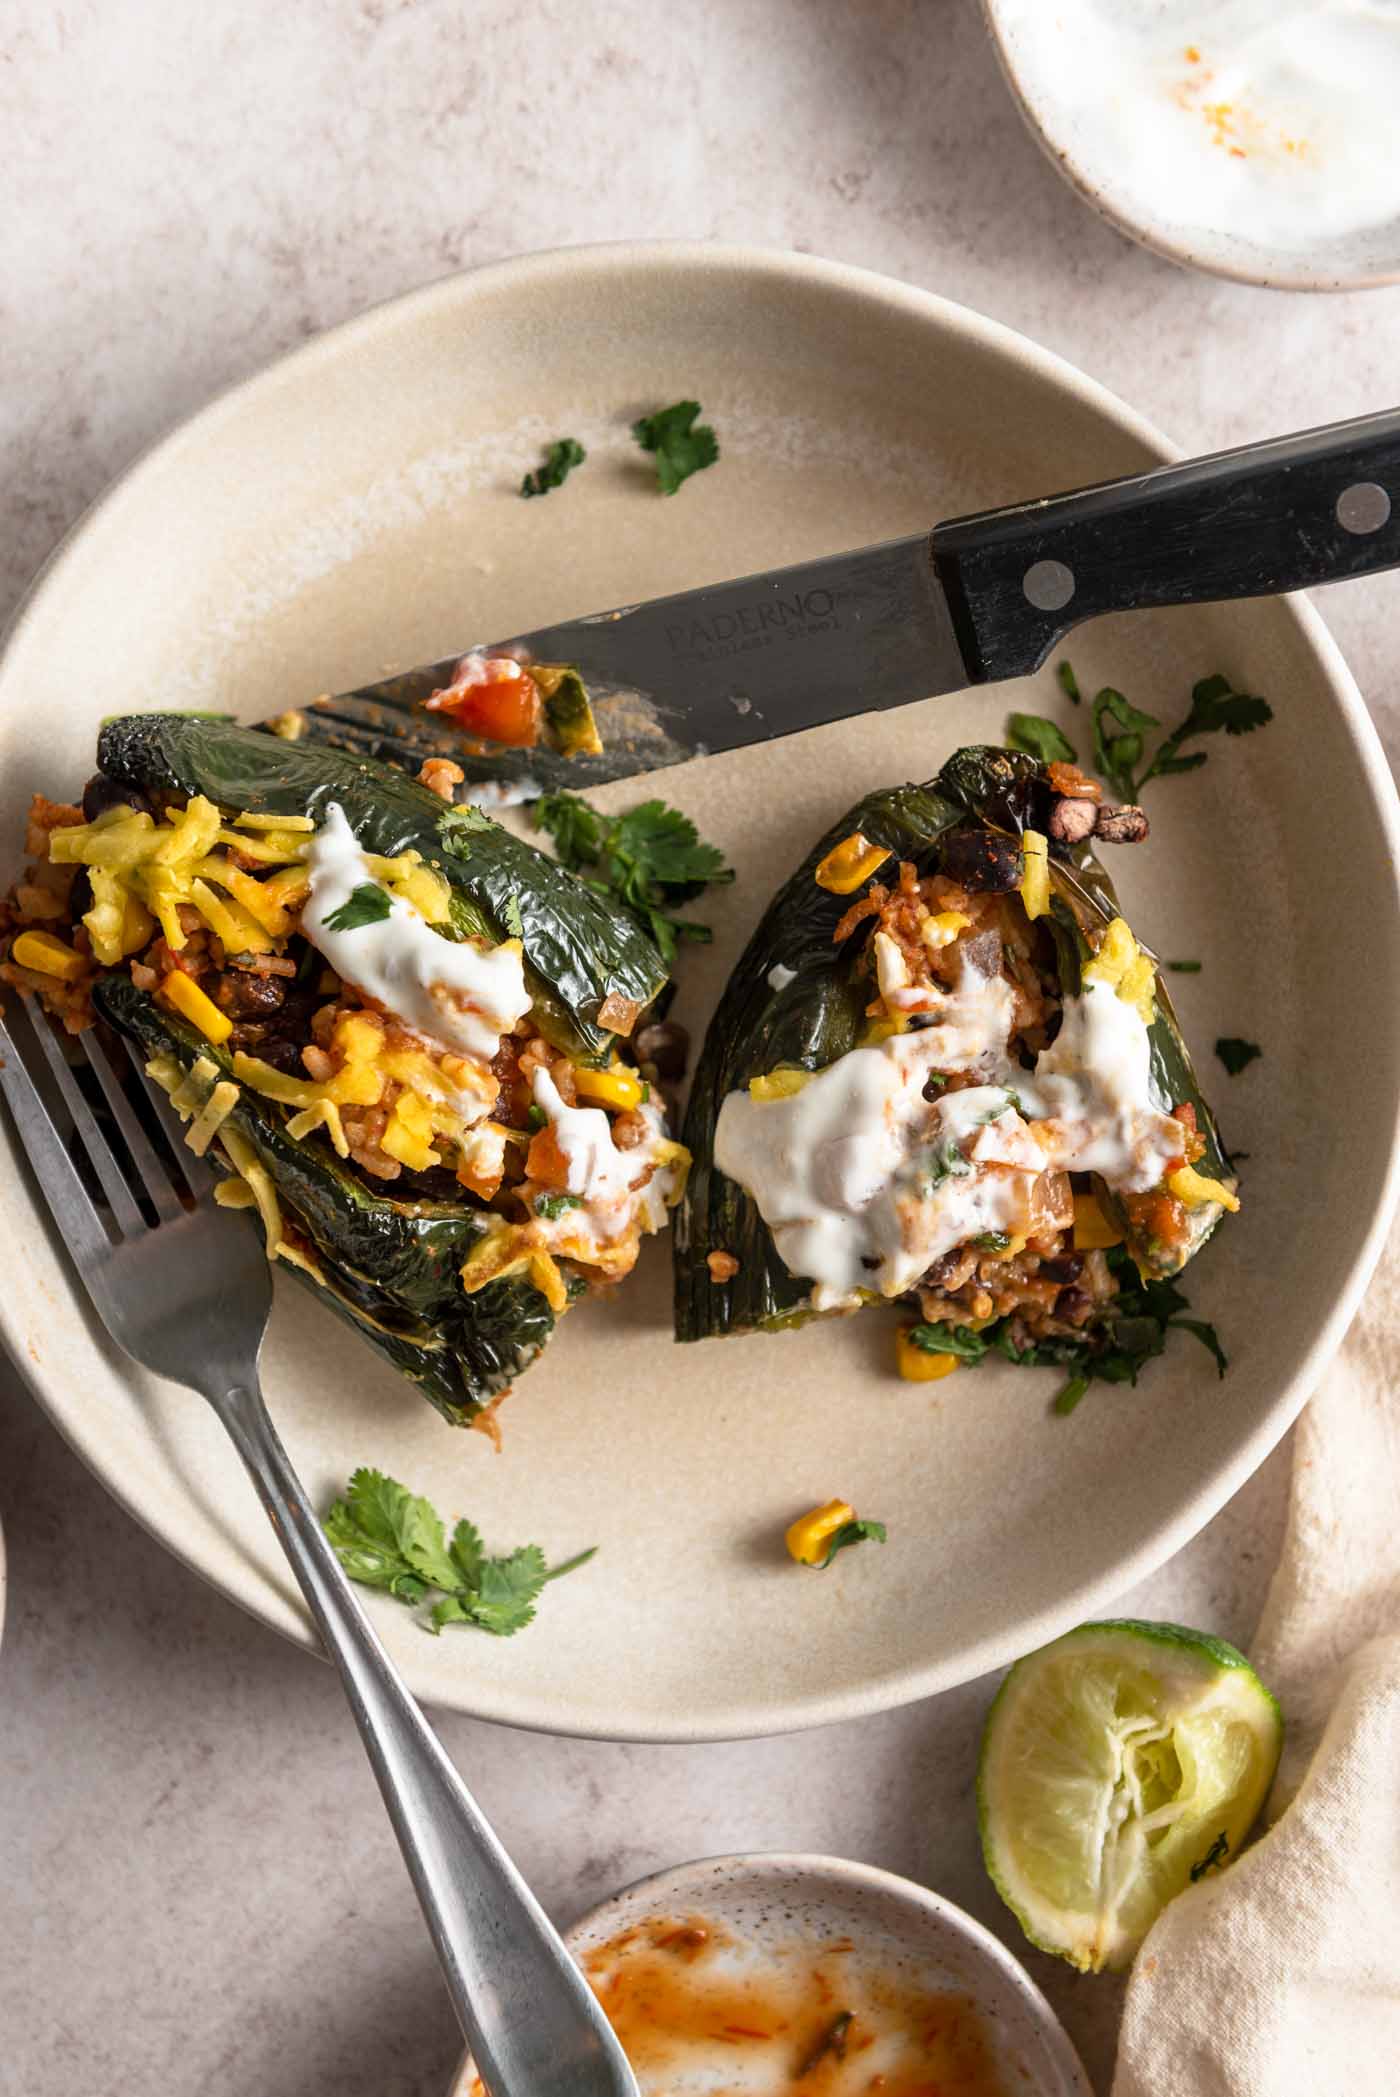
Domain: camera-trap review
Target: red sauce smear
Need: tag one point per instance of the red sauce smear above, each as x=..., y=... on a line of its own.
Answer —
x=810, y=2020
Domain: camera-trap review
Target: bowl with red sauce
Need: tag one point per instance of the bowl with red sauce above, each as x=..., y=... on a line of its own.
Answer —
x=774, y=1975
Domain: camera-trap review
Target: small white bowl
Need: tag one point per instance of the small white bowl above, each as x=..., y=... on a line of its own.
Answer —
x=899, y=1927
x=1236, y=136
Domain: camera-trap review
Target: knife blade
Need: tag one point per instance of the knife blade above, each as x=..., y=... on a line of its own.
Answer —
x=972, y=601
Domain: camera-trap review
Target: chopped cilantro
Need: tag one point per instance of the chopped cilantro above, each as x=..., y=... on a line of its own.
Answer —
x=560, y=459
x=366, y=904
x=1118, y=730
x=1070, y=1393
x=961, y=1340
x=1068, y=682
x=991, y=1241
x=510, y=917
x=1040, y=739
x=389, y=1538
x=681, y=445
x=1235, y=1053
x=535, y=1117
x=650, y=858
x=1183, y=968
x=856, y=1532
x=551, y=1206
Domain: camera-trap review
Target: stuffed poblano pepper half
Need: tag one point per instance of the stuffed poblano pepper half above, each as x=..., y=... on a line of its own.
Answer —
x=400, y=1030
x=945, y=1073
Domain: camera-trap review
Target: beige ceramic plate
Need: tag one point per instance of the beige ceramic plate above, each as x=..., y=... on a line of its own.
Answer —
x=783, y=1912
x=355, y=509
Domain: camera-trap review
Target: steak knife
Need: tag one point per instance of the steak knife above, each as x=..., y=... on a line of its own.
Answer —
x=973, y=601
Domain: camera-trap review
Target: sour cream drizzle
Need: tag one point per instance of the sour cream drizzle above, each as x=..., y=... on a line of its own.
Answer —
x=453, y=992
x=864, y=1182
x=603, y=1177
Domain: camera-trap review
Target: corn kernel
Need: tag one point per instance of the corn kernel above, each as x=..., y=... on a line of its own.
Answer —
x=780, y=1084
x=612, y=1088
x=1093, y=1230
x=1035, y=877
x=47, y=956
x=942, y=929
x=185, y=995
x=1196, y=1190
x=916, y=1364
x=1138, y=984
x=809, y=1538
x=851, y=863
x=1118, y=950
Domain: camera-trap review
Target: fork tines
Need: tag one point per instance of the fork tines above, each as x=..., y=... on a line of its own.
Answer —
x=94, y=1127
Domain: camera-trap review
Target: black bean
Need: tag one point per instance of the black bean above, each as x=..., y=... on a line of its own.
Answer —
x=665, y=1046
x=246, y=996
x=984, y=862
x=102, y=793
x=1066, y=1268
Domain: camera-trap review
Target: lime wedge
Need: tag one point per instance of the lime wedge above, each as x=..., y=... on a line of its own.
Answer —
x=1115, y=1763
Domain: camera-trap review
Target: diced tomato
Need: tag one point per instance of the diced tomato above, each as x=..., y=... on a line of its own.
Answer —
x=546, y=1162
x=505, y=707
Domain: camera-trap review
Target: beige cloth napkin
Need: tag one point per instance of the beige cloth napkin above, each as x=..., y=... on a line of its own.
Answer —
x=1281, y=1976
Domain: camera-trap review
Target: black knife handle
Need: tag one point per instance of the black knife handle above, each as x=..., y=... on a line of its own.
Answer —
x=1315, y=508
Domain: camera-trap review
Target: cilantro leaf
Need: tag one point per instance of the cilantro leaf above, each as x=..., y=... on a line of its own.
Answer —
x=856, y=1532
x=960, y=1340
x=1208, y=1337
x=1068, y=683
x=366, y=904
x=551, y=1206
x=682, y=446
x=510, y=917
x=1236, y=1054
x=508, y=1589
x=1117, y=730
x=1215, y=707
x=648, y=859
x=388, y=1538
x=560, y=459
x=1040, y=739
x=456, y=825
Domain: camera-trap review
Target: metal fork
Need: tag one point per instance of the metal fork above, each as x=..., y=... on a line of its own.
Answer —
x=185, y=1291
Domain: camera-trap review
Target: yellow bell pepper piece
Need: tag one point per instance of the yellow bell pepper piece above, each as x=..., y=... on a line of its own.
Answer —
x=916, y=1365
x=611, y=1088
x=780, y=1084
x=185, y=995
x=1117, y=951
x=1035, y=876
x=47, y=956
x=1093, y=1230
x=1196, y=1190
x=850, y=864
x=809, y=1537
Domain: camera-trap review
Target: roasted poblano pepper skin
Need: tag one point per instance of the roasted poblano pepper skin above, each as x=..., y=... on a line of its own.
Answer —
x=577, y=948
x=391, y=1267
x=819, y=1015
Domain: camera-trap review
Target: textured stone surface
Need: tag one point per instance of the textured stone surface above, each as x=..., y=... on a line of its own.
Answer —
x=200, y=1886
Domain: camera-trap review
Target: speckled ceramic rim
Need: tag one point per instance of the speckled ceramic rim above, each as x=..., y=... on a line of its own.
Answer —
x=684, y=1886
x=877, y=295
x=1281, y=274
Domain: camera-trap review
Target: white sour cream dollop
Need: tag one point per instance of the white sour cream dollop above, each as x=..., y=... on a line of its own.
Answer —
x=864, y=1182
x=453, y=992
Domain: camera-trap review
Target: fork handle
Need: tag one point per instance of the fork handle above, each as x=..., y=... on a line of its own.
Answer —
x=532, y=2022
